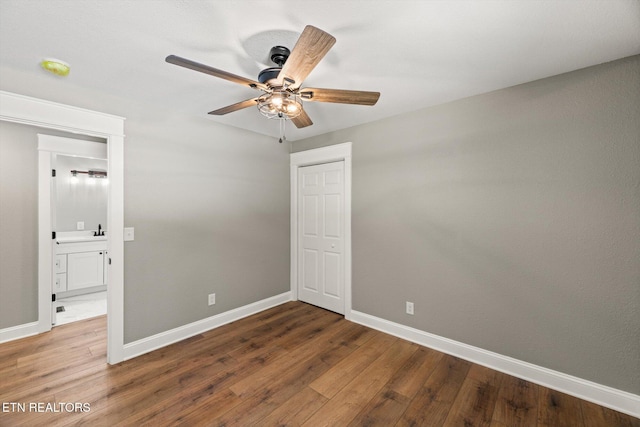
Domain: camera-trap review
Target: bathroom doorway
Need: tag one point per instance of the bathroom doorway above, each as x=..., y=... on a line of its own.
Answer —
x=68, y=201
x=79, y=192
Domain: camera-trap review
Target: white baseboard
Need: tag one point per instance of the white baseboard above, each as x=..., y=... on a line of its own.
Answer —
x=20, y=331
x=609, y=397
x=163, y=339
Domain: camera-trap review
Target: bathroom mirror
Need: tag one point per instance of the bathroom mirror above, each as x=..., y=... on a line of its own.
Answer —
x=81, y=199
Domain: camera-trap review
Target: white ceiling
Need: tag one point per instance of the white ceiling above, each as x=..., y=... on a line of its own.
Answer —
x=417, y=53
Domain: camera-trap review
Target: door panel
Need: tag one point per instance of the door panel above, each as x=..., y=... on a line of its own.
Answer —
x=321, y=235
x=332, y=216
x=310, y=180
x=332, y=274
x=333, y=178
x=310, y=216
x=310, y=270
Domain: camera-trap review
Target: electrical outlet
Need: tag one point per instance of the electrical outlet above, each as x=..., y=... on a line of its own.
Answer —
x=212, y=299
x=80, y=225
x=409, y=308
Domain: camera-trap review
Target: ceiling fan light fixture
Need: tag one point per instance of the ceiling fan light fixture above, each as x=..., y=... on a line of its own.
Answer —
x=293, y=109
x=280, y=104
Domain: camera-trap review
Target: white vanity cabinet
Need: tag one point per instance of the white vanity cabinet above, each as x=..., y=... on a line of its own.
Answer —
x=80, y=266
x=85, y=269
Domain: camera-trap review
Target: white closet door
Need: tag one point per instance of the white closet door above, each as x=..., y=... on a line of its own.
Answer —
x=321, y=235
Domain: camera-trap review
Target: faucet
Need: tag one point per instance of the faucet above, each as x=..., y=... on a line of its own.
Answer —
x=98, y=233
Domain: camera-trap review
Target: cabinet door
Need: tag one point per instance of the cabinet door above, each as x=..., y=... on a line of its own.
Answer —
x=84, y=269
x=61, y=263
x=61, y=283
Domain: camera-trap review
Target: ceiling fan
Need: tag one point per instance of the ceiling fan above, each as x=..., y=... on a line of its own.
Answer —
x=283, y=96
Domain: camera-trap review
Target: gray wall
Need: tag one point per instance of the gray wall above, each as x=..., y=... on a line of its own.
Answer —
x=511, y=220
x=18, y=225
x=84, y=200
x=209, y=203
x=210, y=207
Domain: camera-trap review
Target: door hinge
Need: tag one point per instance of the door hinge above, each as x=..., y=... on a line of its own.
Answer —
x=53, y=297
x=53, y=173
x=53, y=235
x=109, y=261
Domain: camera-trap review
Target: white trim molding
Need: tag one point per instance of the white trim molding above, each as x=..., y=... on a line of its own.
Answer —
x=39, y=112
x=72, y=147
x=50, y=115
x=331, y=153
x=49, y=145
x=20, y=331
x=163, y=339
x=609, y=397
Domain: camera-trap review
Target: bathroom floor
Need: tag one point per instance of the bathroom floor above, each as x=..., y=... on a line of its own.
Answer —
x=81, y=307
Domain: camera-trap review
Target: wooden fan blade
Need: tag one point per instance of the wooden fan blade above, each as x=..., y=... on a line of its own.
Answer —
x=310, y=48
x=235, y=107
x=302, y=120
x=339, y=96
x=187, y=63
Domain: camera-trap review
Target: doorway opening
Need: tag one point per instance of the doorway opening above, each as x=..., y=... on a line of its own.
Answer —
x=79, y=194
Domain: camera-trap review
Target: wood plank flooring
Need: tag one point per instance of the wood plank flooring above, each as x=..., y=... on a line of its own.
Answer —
x=293, y=365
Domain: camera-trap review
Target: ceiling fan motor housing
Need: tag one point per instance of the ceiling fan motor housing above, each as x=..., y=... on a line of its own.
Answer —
x=278, y=55
x=268, y=74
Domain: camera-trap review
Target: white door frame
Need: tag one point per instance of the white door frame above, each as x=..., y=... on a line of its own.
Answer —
x=332, y=153
x=48, y=146
x=50, y=115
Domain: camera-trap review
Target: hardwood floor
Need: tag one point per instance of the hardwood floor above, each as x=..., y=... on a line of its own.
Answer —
x=292, y=365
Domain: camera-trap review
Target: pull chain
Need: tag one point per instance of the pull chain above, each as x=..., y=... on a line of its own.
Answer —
x=283, y=137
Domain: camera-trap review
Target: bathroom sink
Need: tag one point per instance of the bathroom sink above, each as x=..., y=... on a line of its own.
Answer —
x=77, y=239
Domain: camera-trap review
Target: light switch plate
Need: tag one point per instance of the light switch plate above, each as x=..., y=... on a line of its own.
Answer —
x=80, y=225
x=128, y=234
